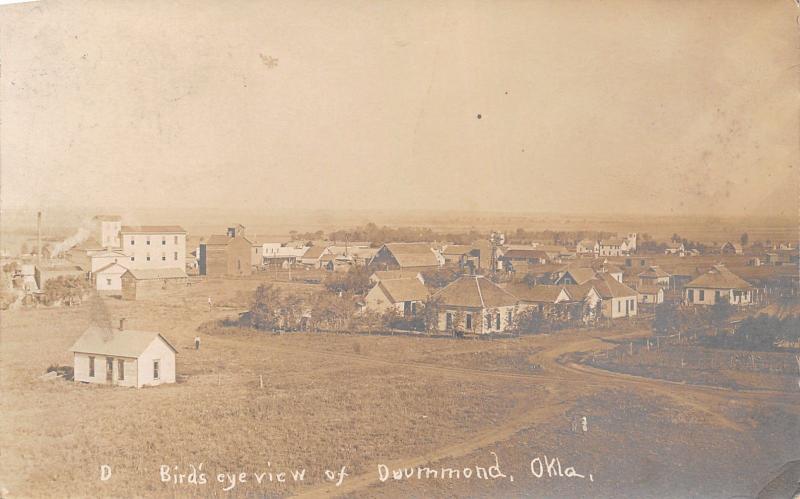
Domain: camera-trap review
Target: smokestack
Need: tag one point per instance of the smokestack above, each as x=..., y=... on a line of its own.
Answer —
x=39, y=237
x=122, y=324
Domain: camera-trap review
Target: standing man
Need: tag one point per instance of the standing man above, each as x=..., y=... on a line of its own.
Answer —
x=197, y=343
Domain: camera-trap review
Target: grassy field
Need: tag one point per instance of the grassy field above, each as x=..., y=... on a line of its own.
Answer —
x=329, y=401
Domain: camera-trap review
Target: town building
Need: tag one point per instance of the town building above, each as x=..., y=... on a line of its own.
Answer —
x=474, y=304
x=104, y=258
x=154, y=246
x=313, y=256
x=148, y=283
x=230, y=254
x=406, y=256
x=123, y=358
x=650, y=294
x=404, y=295
x=42, y=274
x=718, y=284
x=730, y=248
x=610, y=247
x=654, y=276
x=108, y=280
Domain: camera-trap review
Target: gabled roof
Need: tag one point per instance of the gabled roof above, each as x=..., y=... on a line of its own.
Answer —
x=654, y=272
x=111, y=268
x=456, y=249
x=719, y=277
x=537, y=294
x=314, y=252
x=152, y=229
x=580, y=274
x=475, y=292
x=405, y=289
x=107, y=341
x=608, y=287
x=166, y=273
x=579, y=291
x=413, y=254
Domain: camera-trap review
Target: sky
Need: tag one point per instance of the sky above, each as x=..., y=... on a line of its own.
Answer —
x=679, y=107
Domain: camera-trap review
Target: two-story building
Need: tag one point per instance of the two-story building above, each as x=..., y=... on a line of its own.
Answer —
x=153, y=246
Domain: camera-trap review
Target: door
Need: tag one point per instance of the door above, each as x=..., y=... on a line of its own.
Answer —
x=109, y=370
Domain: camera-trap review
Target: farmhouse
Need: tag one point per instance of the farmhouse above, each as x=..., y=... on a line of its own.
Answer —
x=404, y=295
x=154, y=246
x=654, y=276
x=108, y=280
x=123, y=357
x=146, y=283
x=405, y=256
x=730, y=248
x=313, y=256
x=718, y=284
x=650, y=293
x=474, y=304
x=618, y=300
x=610, y=247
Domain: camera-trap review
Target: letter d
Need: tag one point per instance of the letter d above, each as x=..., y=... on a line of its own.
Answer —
x=105, y=472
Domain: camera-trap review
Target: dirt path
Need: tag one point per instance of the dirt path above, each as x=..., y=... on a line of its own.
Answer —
x=707, y=400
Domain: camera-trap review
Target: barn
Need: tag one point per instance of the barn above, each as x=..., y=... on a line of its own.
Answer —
x=123, y=357
x=144, y=283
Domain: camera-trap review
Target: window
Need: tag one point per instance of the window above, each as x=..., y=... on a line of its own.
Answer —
x=163, y=240
x=91, y=367
x=691, y=295
x=619, y=306
x=148, y=257
x=132, y=241
x=702, y=295
x=469, y=321
x=133, y=258
x=508, y=317
x=108, y=282
x=163, y=257
x=120, y=369
x=148, y=241
x=156, y=367
x=497, y=320
x=449, y=320
x=176, y=256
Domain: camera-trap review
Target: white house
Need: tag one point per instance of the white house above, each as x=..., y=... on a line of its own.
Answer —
x=610, y=247
x=474, y=304
x=717, y=284
x=104, y=258
x=108, y=280
x=123, y=357
x=154, y=247
x=405, y=295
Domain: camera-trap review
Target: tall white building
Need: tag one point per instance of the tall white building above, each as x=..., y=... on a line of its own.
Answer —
x=154, y=246
x=106, y=230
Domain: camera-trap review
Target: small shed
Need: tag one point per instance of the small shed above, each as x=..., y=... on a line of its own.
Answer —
x=144, y=283
x=108, y=280
x=123, y=357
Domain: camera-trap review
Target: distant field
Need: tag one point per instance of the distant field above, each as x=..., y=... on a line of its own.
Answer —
x=332, y=400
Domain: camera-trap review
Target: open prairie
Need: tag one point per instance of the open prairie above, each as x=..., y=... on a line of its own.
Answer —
x=259, y=403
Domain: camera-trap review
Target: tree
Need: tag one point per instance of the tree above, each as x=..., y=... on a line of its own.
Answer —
x=744, y=238
x=263, y=312
x=528, y=321
x=355, y=281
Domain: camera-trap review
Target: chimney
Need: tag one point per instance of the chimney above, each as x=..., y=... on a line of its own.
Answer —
x=122, y=324
x=39, y=237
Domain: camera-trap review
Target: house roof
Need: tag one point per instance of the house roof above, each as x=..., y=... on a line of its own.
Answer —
x=413, y=254
x=719, y=277
x=581, y=274
x=456, y=249
x=152, y=229
x=314, y=252
x=654, y=271
x=107, y=341
x=475, y=292
x=166, y=273
x=608, y=287
x=111, y=268
x=524, y=253
x=404, y=289
x=539, y=294
x=578, y=291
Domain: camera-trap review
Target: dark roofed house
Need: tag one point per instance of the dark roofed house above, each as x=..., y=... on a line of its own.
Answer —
x=474, y=304
x=229, y=254
x=576, y=275
x=123, y=357
x=718, y=284
x=406, y=256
